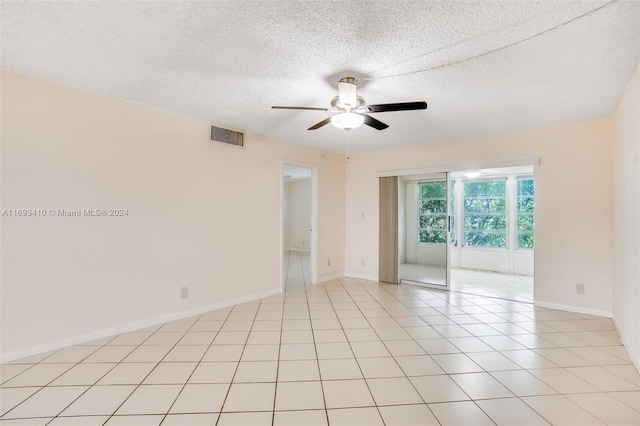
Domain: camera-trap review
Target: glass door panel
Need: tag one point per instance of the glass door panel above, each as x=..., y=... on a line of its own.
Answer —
x=423, y=229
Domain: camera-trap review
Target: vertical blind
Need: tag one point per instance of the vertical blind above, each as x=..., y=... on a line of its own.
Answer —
x=388, y=230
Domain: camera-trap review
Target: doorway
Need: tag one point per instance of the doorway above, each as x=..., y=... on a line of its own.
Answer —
x=299, y=219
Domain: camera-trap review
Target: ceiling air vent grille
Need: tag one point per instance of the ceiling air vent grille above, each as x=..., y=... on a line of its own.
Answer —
x=227, y=136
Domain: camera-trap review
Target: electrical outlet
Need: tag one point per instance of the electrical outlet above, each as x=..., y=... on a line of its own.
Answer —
x=362, y=215
x=184, y=292
x=362, y=263
x=328, y=262
x=579, y=288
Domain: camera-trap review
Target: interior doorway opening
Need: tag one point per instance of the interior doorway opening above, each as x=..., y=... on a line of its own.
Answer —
x=469, y=231
x=299, y=218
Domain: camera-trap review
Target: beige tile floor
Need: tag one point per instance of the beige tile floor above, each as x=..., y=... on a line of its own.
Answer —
x=479, y=283
x=345, y=352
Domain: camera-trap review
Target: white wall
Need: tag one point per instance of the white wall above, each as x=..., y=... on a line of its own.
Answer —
x=298, y=215
x=523, y=263
x=496, y=260
x=487, y=259
x=626, y=225
x=200, y=214
x=574, y=204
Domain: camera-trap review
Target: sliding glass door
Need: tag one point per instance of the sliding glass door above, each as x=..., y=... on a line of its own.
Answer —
x=424, y=214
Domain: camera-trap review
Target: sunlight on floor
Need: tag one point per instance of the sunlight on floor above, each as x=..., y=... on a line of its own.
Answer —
x=481, y=283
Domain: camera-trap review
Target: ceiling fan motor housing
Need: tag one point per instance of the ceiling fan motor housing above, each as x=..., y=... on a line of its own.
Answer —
x=347, y=93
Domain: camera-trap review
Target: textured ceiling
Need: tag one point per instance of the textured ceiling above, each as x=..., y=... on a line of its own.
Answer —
x=484, y=67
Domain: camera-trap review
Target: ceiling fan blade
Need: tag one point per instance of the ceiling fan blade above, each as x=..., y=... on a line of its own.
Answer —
x=403, y=106
x=376, y=124
x=320, y=124
x=301, y=108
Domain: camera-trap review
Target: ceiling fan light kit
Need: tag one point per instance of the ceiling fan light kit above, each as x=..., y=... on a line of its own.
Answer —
x=352, y=111
x=347, y=120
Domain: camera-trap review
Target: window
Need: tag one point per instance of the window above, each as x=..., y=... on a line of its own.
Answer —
x=485, y=213
x=432, y=212
x=525, y=209
x=496, y=212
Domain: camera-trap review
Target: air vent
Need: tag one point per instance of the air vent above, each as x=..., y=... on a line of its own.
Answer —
x=227, y=136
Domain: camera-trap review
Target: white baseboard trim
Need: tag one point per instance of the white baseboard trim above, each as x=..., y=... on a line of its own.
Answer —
x=571, y=308
x=76, y=340
x=299, y=250
x=328, y=278
x=362, y=277
x=635, y=358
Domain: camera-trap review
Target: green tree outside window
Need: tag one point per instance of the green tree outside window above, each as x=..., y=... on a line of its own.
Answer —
x=485, y=213
x=432, y=212
x=525, y=216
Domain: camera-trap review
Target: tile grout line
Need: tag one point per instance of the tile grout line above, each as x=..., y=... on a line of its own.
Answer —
x=516, y=396
x=406, y=300
x=387, y=348
x=313, y=337
x=197, y=364
x=150, y=371
x=239, y=359
x=275, y=395
x=416, y=342
x=57, y=377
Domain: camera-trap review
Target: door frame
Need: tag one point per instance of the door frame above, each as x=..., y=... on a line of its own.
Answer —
x=461, y=167
x=313, y=246
x=535, y=162
x=447, y=251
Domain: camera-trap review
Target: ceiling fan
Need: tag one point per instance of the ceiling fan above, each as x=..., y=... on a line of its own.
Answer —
x=351, y=109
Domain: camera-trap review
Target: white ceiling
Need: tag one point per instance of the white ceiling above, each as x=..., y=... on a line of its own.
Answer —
x=484, y=67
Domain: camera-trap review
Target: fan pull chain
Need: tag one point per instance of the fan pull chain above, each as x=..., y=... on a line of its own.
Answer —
x=348, y=158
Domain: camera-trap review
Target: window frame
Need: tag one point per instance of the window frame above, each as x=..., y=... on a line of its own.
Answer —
x=517, y=214
x=463, y=213
x=419, y=212
x=454, y=217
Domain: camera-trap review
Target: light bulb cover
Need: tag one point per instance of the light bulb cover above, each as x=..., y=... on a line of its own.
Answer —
x=347, y=120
